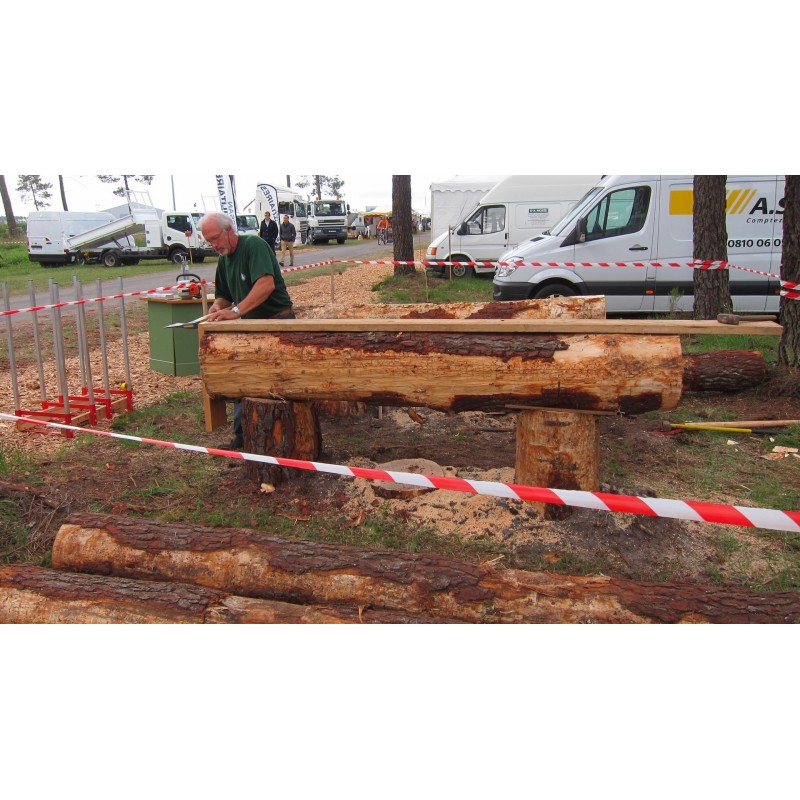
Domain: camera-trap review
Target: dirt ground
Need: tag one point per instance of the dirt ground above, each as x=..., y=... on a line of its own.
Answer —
x=468, y=445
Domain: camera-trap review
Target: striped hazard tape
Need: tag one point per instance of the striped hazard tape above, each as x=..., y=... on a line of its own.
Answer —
x=599, y=501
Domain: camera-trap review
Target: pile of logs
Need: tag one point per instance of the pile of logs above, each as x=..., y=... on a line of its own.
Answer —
x=120, y=569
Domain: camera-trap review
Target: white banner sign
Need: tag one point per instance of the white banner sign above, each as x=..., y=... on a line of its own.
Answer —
x=269, y=195
x=226, y=186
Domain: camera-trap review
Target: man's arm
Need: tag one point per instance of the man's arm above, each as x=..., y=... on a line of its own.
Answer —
x=261, y=290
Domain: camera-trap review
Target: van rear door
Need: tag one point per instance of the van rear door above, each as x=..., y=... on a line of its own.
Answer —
x=619, y=227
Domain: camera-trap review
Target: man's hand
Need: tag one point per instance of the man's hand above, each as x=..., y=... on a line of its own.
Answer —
x=217, y=315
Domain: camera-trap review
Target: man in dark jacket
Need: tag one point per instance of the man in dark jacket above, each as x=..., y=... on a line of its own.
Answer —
x=288, y=234
x=269, y=230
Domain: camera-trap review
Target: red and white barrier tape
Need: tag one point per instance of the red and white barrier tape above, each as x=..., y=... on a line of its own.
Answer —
x=141, y=293
x=600, y=501
x=67, y=303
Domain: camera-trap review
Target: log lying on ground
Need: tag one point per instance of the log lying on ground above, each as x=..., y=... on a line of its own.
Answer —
x=445, y=371
x=723, y=371
x=33, y=595
x=255, y=564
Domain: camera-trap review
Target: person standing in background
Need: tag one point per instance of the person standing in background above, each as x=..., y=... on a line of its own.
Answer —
x=287, y=234
x=269, y=230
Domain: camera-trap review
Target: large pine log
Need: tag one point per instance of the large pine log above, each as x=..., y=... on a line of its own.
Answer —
x=257, y=564
x=47, y=596
x=446, y=371
x=723, y=371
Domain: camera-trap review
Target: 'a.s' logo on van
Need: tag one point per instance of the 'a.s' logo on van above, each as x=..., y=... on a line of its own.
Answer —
x=738, y=201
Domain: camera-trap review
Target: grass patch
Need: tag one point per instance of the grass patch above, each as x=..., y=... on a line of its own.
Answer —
x=766, y=345
x=422, y=288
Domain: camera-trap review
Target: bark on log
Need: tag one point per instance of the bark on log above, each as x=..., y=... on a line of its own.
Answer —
x=447, y=371
x=560, y=450
x=282, y=429
x=553, y=308
x=256, y=564
x=723, y=371
x=33, y=595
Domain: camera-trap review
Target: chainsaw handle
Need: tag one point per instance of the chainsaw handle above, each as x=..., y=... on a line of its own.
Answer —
x=187, y=277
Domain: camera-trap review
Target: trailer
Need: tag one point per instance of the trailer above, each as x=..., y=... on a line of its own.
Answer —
x=76, y=237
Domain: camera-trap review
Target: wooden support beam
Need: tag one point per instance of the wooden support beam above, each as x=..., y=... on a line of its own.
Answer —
x=558, y=450
x=477, y=327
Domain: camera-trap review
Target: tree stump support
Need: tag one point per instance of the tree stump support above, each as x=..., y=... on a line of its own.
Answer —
x=558, y=450
x=280, y=428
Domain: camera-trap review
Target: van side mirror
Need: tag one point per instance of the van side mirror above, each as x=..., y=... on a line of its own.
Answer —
x=580, y=227
x=462, y=229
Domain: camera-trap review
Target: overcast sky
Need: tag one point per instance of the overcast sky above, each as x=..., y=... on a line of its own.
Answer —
x=88, y=193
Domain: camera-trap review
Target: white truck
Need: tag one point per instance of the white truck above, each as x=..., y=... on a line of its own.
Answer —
x=327, y=219
x=77, y=237
x=630, y=221
x=518, y=208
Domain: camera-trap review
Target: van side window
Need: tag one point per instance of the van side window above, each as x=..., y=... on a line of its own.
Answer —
x=618, y=213
x=491, y=219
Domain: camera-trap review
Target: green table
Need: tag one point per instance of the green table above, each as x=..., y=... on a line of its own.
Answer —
x=173, y=351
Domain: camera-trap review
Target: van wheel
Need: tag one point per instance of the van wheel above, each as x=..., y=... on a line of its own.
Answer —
x=110, y=259
x=461, y=270
x=340, y=241
x=80, y=259
x=555, y=290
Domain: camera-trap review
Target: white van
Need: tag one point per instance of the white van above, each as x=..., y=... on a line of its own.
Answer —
x=645, y=218
x=48, y=232
x=517, y=208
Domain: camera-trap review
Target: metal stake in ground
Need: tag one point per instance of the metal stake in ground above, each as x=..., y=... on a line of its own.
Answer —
x=12, y=363
x=37, y=345
x=101, y=327
x=58, y=347
x=83, y=343
x=123, y=329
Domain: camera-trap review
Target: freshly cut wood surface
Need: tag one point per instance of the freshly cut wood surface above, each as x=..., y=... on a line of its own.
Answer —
x=446, y=371
x=593, y=307
x=653, y=327
x=257, y=564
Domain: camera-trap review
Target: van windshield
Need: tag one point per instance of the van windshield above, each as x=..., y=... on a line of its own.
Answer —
x=560, y=226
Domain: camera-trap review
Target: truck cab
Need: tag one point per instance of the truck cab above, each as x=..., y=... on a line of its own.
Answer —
x=327, y=219
x=247, y=224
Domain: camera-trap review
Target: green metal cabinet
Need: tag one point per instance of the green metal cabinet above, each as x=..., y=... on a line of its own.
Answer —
x=173, y=351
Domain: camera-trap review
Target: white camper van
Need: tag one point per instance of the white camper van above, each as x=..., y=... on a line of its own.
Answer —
x=517, y=208
x=645, y=218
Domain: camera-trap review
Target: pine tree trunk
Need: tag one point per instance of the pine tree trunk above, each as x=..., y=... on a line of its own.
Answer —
x=723, y=371
x=712, y=294
x=789, y=348
x=11, y=220
x=402, y=224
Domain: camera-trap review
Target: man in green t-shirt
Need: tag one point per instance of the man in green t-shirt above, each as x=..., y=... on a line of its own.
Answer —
x=248, y=283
